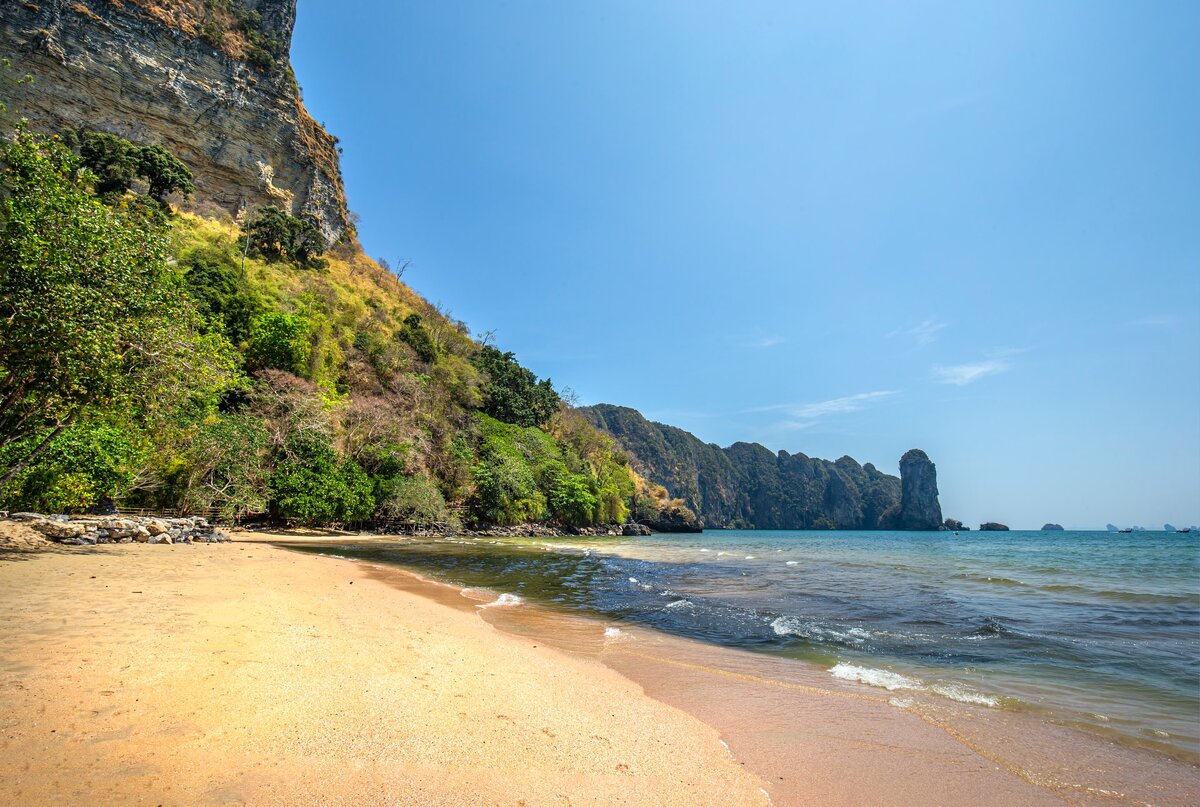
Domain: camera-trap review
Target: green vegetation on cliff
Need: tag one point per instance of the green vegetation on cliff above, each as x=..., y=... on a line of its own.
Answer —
x=157, y=360
x=748, y=486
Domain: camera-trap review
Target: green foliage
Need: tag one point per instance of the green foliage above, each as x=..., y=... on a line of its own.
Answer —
x=263, y=51
x=524, y=474
x=281, y=342
x=226, y=466
x=88, y=460
x=513, y=394
x=116, y=163
x=416, y=335
x=413, y=498
x=165, y=172
x=220, y=295
x=277, y=236
x=91, y=312
x=312, y=485
x=572, y=501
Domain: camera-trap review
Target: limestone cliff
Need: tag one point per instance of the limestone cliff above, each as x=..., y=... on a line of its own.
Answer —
x=210, y=81
x=919, y=507
x=747, y=485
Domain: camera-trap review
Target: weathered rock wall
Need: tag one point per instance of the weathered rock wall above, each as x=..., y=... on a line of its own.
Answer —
x=746, y=484
x=141, y=70
x=919, y=505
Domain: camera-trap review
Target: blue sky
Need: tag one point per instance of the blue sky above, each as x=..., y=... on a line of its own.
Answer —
x=830, y=228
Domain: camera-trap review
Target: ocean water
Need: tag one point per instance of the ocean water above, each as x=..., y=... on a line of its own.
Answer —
x=1096, y=631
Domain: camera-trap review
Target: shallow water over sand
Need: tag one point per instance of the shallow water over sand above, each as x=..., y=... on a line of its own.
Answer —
x=1078, y=630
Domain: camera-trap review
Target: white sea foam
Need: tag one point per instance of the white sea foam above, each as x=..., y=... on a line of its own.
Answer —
x=719, y=554
x=793, y=563
x=891, y=681
x=877, y=678
x=791, y=626
x=704, y=550
x=900, y=703
x=504, y=600
x=957, y=693
x=680, y=604
x=633, y=580
x=612, y=633
x=749, y=557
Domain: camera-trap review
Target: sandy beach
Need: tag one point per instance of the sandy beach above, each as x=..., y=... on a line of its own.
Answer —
x=238, y=674
x=248, y=673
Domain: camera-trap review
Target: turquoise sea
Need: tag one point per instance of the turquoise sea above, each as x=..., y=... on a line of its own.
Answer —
x=1098, y=631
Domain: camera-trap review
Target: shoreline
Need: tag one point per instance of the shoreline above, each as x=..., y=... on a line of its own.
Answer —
x=301, y=679
x=922, y=749
x=245, y=673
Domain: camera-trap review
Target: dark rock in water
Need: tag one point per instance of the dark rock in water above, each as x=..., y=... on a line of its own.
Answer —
x=636, y=529
x=675, y=519
x=954, y=524
x=1112, y=528
x=1052, y=527
x=992, y=526
x=919, y=508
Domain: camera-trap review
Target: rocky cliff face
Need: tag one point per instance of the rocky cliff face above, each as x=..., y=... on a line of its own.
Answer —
x=746, y=485
x=919, y=507
x=209, y=81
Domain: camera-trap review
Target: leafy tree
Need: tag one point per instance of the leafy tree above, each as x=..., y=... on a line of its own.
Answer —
x=413, y=498
x=114, y=161
x=165, y=172
x=88, y=460
x=91, y=312
x=220, y=295
x=277, y=236
x=416, y=335
x=572, y=501
x=311, y=485
x=281, y=342
x=514, y=394
x=226, y=466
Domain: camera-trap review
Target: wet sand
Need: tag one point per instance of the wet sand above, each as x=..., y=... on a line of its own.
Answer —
x=252, y=674
x=231, y=674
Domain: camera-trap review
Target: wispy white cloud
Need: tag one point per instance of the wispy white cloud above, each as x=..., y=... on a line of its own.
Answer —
x=923, y=333
x=805, y=412
x=963, y=374
x=1154, y=321
x=766, y=342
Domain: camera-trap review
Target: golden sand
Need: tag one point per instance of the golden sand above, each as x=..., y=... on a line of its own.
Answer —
x=230, y=674
x=251, y=674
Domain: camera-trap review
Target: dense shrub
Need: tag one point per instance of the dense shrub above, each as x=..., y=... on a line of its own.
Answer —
x=412, y=498
x=312, y=485
x=91, y=312
x=416, y=335
x=281, y=342
x=116, y=163
x=278, y=236
x=220, y=295
x=514, y=394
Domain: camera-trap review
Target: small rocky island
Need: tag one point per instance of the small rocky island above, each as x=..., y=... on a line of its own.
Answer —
x=993, y=526
x=1052, y=528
